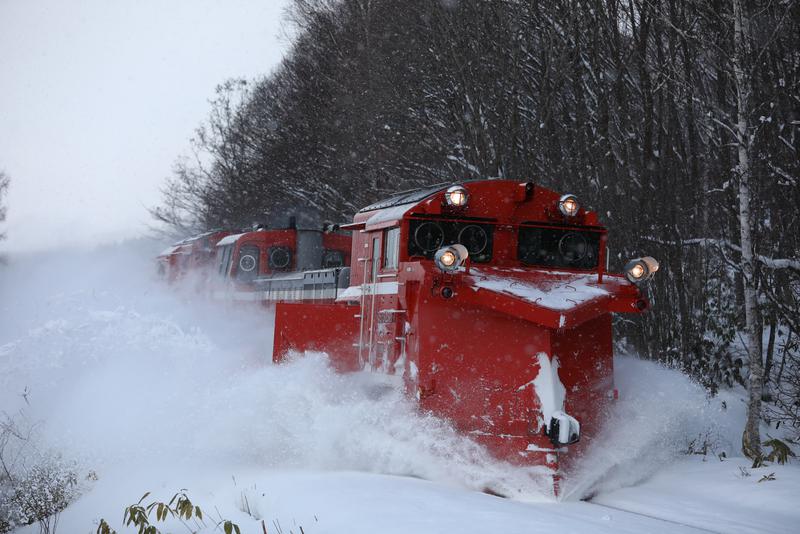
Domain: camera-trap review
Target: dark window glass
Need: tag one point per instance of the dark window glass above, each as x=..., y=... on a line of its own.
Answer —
x=332, y=258
x=280, y=258
x=549, y=247
x=427, y=236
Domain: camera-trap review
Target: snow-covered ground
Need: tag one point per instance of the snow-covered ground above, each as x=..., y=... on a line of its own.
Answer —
x=155, y=391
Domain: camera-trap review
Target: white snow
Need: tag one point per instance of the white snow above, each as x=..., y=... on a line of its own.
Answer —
x=229, y=240
x=413, y=370
x=170, y=250
x=548, y=388
x=564, y=293
x=157, y=391
x=389, y=214
x=721, y=496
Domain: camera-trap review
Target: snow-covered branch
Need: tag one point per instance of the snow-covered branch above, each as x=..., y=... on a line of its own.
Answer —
x=766, y=261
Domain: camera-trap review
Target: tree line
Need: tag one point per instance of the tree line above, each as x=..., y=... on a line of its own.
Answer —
x=676, y=120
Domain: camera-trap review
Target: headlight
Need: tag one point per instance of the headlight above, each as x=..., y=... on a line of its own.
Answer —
x=457, y=195
x=568, y=205
x=451, y=257
x=247, y=263
x=652, y=264
x=641, y=269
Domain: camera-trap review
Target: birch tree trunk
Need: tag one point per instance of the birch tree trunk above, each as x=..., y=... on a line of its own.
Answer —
x=751, y=439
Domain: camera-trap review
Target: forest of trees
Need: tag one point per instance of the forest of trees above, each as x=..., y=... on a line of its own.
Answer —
x=677, y=120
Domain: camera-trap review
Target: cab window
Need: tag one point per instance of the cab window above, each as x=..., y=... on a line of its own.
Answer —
x=247, y=268
x=391, y=248
x=332, y=258
x=224, y=255
x=426, y=236
x=556, y=247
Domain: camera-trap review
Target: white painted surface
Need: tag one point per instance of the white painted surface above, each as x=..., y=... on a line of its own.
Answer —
x=381, y=288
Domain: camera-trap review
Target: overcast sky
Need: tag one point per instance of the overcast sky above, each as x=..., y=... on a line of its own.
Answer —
x=99, y=97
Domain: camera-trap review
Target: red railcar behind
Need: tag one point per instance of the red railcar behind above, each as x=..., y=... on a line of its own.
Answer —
x=292, y=264
x=192, y=255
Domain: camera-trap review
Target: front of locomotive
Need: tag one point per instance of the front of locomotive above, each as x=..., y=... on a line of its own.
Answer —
x=508, y=328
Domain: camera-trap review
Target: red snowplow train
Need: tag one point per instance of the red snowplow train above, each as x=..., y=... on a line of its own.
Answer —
x=489, y=299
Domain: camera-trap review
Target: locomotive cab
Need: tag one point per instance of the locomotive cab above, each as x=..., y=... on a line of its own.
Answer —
x=271, y=264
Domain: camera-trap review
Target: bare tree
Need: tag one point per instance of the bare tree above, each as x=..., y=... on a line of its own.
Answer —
x=751, y=440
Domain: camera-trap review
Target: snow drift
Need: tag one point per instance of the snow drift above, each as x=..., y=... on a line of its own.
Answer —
x=661, y=415
x=119, y=369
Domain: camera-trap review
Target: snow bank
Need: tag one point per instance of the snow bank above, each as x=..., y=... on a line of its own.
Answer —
x=659, y=413
x=720, y=496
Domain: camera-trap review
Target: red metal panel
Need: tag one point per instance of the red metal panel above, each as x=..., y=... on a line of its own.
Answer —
x=474, y=365
x=330, y=328
x=585, y=355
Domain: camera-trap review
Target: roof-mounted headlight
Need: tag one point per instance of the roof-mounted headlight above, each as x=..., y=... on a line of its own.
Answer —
x=451, y=257
x=641, y=269
x=568, y=205
x=457, y=196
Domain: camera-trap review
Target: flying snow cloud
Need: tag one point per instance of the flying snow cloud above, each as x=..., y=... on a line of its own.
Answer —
x=115, y=367
x=661, y=414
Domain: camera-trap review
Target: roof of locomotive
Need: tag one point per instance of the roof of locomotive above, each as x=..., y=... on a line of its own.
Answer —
x=267, y=234
x=228, y=240
x=508, y=200
x=182, y=249
x=412, y=196
x=184, y=246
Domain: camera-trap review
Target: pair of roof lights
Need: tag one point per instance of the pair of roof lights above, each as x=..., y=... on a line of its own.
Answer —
x=451, y=257
x=457, y=196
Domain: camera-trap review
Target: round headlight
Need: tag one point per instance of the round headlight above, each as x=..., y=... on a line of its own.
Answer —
x=451, y=257
x=636, y=271
x=568, y=205
x=641, y=269
x=448, y=258
x=457, y=195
